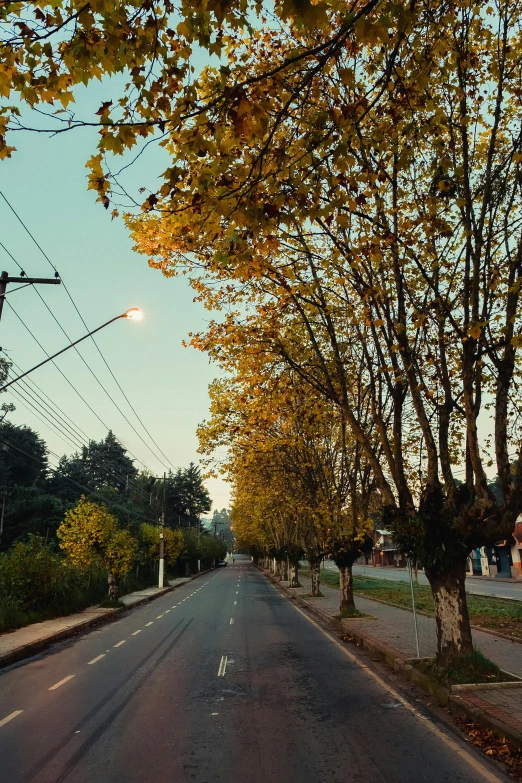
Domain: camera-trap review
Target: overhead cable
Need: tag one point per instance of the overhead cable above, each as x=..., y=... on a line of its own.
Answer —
x=42, y=251
x=71, y=384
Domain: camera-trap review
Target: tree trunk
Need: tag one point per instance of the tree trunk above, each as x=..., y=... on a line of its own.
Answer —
x=294, y=573
x=277, y=569
x=283, y=567
x=346, y=588
x=113, y=587
x=451, y=614
x=315, y=574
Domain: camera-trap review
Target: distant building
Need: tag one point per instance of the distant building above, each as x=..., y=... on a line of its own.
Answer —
x=503, y=560
x=384, y=551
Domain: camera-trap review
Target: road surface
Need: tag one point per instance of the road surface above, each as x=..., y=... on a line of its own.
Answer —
x=475, y=586
x=222, y=680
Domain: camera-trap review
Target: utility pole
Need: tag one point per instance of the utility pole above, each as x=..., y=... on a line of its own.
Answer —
x=162, y=538
x=4, y=493
x=5, y=279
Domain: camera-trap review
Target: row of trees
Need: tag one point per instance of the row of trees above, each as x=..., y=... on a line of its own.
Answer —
x=92, y=519
x=96, y=555
x=36, y=497
x=346, y=190
x=92, y=537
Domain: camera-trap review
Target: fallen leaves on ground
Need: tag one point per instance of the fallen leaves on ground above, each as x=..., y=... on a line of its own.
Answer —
x=494, y=746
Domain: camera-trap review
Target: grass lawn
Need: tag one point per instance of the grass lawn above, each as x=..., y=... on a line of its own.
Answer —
x=495, y=614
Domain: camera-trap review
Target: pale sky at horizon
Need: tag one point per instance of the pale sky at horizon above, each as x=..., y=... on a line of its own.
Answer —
x=46, y=182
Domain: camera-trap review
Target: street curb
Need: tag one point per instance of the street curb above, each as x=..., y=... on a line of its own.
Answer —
x=456, y=703
x=31, y=648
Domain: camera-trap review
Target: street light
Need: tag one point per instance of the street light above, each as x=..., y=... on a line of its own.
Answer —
x=133, y=313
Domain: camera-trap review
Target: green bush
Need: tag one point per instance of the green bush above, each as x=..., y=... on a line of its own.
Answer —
x=37, y=583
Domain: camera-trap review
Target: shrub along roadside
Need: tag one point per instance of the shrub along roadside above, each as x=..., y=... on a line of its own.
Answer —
x=493, y=614
x=37, y=583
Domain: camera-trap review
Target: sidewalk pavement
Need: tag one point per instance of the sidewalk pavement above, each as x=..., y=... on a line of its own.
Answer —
x=29, y=640
x=498, y=706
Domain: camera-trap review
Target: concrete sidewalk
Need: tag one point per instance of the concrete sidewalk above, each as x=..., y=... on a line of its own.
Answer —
x=395, y=627
x=496, y=706
x=19, y=644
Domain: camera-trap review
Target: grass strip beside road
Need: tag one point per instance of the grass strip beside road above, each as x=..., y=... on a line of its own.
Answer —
x=494, y=614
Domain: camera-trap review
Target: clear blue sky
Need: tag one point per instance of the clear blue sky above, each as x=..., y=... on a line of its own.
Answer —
x=46, y=182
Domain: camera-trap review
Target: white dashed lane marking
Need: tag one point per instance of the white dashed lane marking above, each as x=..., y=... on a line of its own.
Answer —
x=120, y=643
x=95, y=660
x=62, y=682
x=231, y=621
x=136, y=632
x=10, y=717
x=147, y=624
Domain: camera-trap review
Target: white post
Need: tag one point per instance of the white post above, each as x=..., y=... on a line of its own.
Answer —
x=414, y=611
x=161, y=559
x=162, y=540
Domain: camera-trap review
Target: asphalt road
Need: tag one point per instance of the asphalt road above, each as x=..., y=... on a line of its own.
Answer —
x=221, y=680
x=474, y=585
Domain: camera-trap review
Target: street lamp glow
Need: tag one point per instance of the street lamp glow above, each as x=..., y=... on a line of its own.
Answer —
x=134, y=313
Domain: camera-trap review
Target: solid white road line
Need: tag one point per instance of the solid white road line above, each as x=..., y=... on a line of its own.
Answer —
x=231, y=621
x=222, y=666
x=136, y=632
x=62, y=682
x=94, y=660
x=485, y=773
x=120, y=643
x=147, y=624
x=10, y=717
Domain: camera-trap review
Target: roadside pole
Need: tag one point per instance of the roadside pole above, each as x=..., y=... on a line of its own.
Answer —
x=162, y=540
x=2, y=517
x=414, y=610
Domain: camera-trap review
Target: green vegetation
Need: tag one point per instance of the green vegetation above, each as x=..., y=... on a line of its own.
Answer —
x=494, y=614
x=89, y=526
x=475, y=668
x=37, y=583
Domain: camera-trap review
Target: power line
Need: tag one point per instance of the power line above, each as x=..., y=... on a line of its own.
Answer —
x=56, y=425
x=46, y=400
x=87, y=365
x=42, y=251
x=81, y=485
x=117, y=473
x=27, y=407
x=73, y=387
x=111, y=469
x=98, y=380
